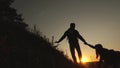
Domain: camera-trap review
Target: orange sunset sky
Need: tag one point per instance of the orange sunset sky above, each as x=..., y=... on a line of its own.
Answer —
x=98, y=21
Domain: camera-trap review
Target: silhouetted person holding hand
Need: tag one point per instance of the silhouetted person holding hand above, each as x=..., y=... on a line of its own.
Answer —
x=109, y=57
x=72, y=34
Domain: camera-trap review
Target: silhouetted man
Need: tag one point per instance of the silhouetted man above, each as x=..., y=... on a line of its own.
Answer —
x=73, y=36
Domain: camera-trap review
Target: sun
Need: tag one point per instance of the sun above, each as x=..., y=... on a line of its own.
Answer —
x=84, y=60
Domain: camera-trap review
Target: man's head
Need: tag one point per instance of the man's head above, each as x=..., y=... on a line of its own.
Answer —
x=72, y=25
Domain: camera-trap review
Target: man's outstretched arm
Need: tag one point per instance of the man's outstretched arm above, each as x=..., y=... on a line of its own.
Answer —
x=81, y=38
x=64, y=35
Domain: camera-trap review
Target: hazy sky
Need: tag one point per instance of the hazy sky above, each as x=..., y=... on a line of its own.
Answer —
x=98, y=21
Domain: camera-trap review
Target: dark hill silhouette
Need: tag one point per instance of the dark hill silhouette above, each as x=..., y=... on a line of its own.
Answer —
x=21, y=48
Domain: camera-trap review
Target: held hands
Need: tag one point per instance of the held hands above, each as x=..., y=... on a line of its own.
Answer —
x=85, y=43
x=88, y=44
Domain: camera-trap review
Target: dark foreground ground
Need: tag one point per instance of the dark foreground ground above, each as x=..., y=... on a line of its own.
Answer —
x=94, y=65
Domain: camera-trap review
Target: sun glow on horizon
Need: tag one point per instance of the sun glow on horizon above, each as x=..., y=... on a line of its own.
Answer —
x=84, y=60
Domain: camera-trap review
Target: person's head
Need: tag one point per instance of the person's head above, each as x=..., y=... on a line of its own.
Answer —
x=72, y=25
x=98, y=46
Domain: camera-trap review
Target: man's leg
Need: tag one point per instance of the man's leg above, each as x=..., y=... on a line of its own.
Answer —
x=73, y=53
x=79, y=52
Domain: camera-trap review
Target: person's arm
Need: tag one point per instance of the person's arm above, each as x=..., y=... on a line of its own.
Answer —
x=97, y=54
x=81, y=38
x=91, y=46
x=64, y=35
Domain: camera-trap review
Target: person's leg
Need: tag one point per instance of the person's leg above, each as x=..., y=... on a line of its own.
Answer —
x=73, y=53
x=79, y=52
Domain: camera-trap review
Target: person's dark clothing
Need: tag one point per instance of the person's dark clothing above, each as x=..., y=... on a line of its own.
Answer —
x=73, y=36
